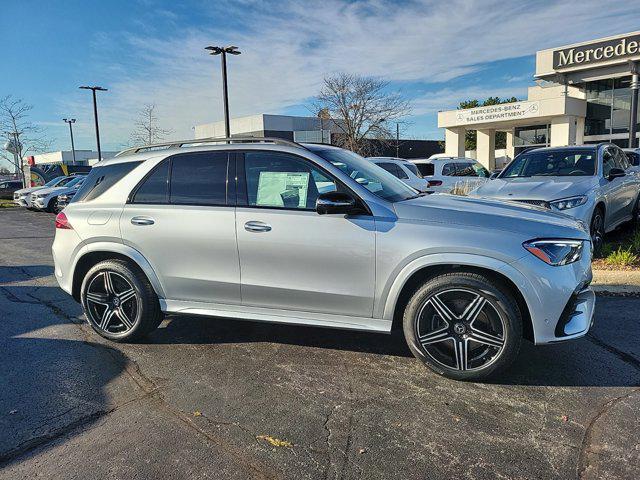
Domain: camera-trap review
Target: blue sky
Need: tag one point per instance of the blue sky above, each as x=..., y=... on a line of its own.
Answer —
x=435, y=53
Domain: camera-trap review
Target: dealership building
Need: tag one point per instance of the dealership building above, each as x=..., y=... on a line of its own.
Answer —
x=585, y=93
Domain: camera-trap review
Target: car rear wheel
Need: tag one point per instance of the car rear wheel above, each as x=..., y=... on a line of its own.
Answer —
x=463, y=325
x=119, y=302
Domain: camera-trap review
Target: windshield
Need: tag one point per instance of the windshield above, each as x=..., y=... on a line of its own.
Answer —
x=374, y=178
x=74, y=181
x=556, y=163
x=54, y=182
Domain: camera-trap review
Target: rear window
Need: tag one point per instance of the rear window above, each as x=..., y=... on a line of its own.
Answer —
x=100, y=179
x=426, y=169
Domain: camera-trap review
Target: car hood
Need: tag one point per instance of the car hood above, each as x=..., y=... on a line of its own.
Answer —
x=483, y=213
x=536, y=188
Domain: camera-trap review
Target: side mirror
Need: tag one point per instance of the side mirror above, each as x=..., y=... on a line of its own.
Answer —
x=335, y=203
x=616, y=173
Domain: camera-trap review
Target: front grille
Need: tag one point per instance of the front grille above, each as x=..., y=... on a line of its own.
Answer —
x=33, y=197
x=538, y=203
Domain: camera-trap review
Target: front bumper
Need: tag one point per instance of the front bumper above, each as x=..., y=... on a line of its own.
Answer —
x=560, y=301
x=39, y=203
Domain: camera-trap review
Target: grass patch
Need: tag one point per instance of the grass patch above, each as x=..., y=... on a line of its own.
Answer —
x=621, y=250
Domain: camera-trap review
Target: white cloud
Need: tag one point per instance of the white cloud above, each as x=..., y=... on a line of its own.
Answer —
x=289, y=46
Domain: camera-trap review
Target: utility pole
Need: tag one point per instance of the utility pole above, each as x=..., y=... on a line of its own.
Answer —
x=73, y=147
x=635, y=85
x=231, y=50
x=95, y=113
x=397, y=140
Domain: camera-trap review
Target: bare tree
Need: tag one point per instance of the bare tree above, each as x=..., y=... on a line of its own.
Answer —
x=362, y=108
x=26, y=137
x=147, y=127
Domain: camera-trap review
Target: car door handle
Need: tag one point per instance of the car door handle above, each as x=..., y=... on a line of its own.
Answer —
x=142, y=221
x=255, y=226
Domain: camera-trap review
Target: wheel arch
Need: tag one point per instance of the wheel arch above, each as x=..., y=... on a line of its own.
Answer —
x=95, y=253
x=400, y=293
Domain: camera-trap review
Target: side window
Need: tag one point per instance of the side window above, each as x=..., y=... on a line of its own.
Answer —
x=199, y=179
x=401, y=173
x=100, y=179
x=391, y=168
x=413, y=169
x=449, y=169
x=426, y=169
x=465, y=170
x=621, y=159
x=155, y=188
x=280, y=180
x=608, y=162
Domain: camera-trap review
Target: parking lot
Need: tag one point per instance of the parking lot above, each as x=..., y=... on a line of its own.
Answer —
x=209, y=398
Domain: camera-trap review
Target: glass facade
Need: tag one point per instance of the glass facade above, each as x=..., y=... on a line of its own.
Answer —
x=608, y=107
x=530, y=136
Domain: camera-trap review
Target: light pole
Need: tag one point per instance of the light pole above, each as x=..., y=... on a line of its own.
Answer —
x=635, y=86
x=95, y=113
x=397, y=140
x=231, y=50
x=73, y=147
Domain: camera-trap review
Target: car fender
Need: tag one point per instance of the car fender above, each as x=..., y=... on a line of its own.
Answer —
x=127, y=251
x=392, y=290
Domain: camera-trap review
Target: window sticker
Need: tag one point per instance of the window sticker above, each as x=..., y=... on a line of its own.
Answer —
x=283, y=189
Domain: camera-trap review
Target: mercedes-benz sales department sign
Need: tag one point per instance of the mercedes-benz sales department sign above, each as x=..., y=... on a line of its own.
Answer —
x=498, y=113
x=598, y=52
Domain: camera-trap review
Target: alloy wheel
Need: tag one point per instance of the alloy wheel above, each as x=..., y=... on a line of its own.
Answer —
x=112, y=304
x=461, y=329
x=597, y=231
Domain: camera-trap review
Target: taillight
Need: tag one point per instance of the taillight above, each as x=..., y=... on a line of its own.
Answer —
x=63, y=222
x=434, y=183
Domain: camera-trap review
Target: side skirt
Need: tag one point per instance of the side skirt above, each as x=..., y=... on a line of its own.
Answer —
x=244, y=312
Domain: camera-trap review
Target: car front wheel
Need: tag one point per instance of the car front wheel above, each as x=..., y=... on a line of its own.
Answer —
x=597, y=231
x=463, y=325
x=119, y=302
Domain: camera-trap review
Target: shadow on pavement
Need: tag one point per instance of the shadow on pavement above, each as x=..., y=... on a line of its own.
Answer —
x=52, y=381
x=581, y=362
x=25, y=272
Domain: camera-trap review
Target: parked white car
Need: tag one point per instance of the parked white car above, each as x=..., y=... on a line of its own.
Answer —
x=445, y=174
x=22, y=197
x=45, y=198
x=404, y=170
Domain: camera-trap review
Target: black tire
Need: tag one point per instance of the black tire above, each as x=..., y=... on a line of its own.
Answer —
x=498, y=310
x=142, y=310
x=596, y=230
x=635, y=220
x=51, y=205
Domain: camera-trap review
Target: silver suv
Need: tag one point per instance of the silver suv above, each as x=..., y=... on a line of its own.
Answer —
x=593, y=183
x=270, y=230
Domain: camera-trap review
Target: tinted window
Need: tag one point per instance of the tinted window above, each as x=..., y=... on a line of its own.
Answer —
x=634, y=158
x=413, y=169
x=465, y=170
x=401, y=173
x=621, y=160
x=426, y=169
x=608, y=162
x=449, y=169
x=283, y=181
x=391, y=168
x=100, y=179
x=199, y=178
x=154, y=188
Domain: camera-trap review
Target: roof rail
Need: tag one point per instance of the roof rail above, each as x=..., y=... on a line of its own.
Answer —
x=201, y=141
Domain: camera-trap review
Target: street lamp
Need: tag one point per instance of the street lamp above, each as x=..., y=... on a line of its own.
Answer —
x=95, y=113
x=73, y=147
x=231, y=50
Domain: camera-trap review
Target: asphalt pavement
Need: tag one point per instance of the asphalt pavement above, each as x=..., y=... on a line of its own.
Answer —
x=216, y=398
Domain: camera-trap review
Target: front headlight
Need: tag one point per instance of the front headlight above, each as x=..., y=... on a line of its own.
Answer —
x=555, y=252
x=41, y=195
x=571, y=202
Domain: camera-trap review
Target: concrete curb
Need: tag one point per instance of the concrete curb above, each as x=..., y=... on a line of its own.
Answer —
x=616, y=281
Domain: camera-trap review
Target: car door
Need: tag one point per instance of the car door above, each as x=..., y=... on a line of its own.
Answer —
x=181, y=217
x=291, y=257
x=614, y=189
x=630, y=182
x=448, y=176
